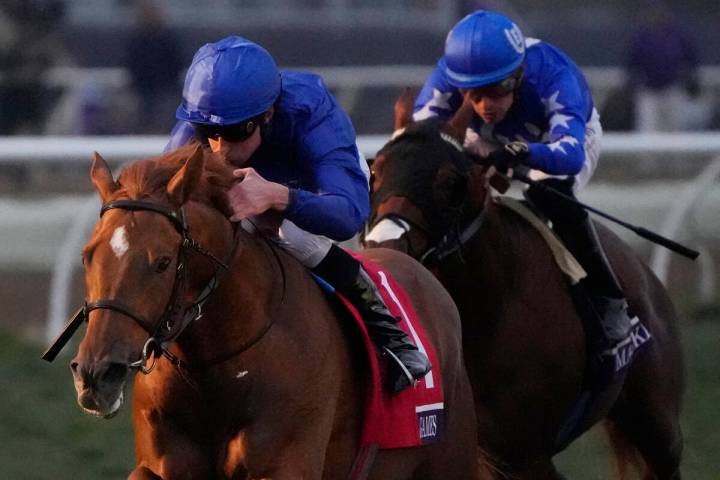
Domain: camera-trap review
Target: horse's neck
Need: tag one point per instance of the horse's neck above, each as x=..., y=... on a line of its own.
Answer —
x=240, y=307
x=496, y=256
x=517, y=250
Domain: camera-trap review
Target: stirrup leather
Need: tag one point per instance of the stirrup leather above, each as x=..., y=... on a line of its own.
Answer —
x=411, y=380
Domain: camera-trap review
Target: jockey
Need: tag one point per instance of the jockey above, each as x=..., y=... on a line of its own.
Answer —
x=533, y=108
x=296, y=154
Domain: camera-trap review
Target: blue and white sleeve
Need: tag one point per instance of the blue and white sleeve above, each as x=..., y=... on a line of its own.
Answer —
x=437, y=98
x=566, y=110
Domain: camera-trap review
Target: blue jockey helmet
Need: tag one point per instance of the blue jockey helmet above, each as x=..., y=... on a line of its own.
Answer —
x=482, y=48
x=228, y=82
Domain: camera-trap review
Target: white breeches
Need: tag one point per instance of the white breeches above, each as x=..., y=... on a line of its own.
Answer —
x=307, y=247
x=593, y=145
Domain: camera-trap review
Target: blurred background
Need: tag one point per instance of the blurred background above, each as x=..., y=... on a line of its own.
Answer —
x=106, y=75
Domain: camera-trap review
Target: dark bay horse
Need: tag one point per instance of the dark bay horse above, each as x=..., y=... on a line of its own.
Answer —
x=268, y=379
x=524, y=343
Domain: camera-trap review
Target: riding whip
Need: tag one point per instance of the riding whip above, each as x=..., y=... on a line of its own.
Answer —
x=643, y=232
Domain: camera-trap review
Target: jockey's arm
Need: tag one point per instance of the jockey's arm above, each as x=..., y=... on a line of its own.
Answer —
x=340, y=202
x=568, y=107
x=564, y=154
x=437, y=98
x=335, y=199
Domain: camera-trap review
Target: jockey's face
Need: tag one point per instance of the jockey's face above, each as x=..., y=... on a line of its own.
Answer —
x=236, y=152
x=236, y=143
x=491, y=106
x=492, y=102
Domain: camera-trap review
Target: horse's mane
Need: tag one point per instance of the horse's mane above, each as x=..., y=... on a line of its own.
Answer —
x=149, y=177
x=430, y=133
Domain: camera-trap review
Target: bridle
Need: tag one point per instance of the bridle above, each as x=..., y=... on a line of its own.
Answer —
x=167, y=328
x=452, y=242
x=412, y=220
x=455, y=237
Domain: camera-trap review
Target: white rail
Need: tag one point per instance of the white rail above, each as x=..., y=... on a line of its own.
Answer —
x=672, y=228
x=78, y=150
x=72, y=149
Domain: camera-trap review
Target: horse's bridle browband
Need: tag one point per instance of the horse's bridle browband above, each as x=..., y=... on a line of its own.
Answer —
x=164, y=330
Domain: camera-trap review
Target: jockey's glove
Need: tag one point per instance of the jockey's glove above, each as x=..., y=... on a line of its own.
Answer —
x=509, y=156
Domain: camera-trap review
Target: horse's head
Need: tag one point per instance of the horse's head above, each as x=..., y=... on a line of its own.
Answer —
x=136, y=266
x=423, y=185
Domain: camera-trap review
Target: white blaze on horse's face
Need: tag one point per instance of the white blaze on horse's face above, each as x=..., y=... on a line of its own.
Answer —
x=387, y=230
x=119, y=242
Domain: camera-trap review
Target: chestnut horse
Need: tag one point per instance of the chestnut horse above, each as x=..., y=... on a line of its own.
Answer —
x=524, y=343
x=253, y=371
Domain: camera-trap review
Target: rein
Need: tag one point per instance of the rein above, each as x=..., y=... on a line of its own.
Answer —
x=165, y=330
x=453, y=241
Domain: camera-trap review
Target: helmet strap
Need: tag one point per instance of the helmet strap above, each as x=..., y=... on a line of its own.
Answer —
x=264, y=124
x=519, y=74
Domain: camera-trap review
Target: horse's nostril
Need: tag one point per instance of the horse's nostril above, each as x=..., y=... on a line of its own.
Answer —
x=74, y=366
x=114, y=373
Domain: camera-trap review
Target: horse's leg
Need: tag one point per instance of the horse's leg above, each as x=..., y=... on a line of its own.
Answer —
x=142, y=473
x=650, y=430
x=167, y=453
x=646, y=417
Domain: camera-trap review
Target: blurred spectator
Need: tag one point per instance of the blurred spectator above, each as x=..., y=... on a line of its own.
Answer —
x=662, y=66
x=29, y=46
x=154, y=61
x=618, y=110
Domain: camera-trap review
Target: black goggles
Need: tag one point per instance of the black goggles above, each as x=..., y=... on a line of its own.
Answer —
x=498, y=89
x=237, y=132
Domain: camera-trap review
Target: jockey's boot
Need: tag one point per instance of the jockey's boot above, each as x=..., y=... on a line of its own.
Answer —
x=406, y=364
x=577, y=231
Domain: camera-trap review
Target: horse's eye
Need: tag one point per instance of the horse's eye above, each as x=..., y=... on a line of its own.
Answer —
x=162, y=264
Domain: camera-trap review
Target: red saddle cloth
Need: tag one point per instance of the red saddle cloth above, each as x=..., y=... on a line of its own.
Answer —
x=415, y=416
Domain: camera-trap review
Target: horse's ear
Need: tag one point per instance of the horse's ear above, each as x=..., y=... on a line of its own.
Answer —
x=404, y=108
x=187, y=178
x=102, y=178
x=459, y=123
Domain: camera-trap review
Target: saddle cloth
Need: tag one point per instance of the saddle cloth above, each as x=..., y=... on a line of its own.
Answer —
x=414, y=416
